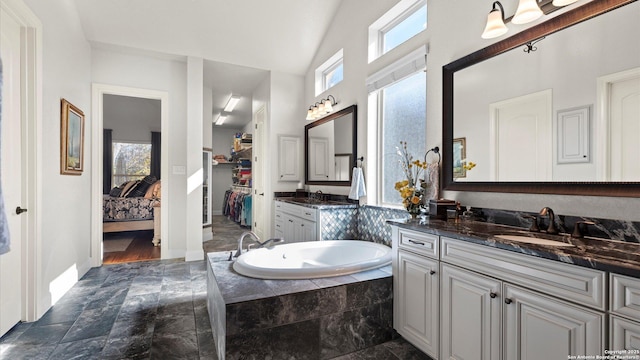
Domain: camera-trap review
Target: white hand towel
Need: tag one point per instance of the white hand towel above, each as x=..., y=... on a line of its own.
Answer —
x=358, y=188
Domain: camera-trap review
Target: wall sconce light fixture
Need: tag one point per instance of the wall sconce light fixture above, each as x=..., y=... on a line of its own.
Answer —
x=528, y=11
x=321, y=108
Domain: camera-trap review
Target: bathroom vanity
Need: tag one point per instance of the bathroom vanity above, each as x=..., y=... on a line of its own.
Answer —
x=302, y=219
x=474, y=290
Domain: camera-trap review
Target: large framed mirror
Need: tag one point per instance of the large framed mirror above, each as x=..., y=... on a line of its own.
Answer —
x=561, y=118
x=330, y=148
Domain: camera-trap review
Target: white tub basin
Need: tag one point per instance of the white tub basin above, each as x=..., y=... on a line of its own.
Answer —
x=314, y=259
x=532, y=240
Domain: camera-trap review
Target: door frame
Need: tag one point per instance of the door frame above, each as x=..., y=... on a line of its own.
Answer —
x=602, y=156
x=31, y=99
x=97, y=92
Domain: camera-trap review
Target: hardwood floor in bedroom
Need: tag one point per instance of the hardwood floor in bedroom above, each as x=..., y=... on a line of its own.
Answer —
x=139, y=248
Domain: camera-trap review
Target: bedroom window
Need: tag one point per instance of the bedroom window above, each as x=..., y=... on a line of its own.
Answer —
x=131, y=161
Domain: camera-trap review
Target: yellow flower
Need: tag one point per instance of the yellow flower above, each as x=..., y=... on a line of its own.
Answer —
x=415, y=200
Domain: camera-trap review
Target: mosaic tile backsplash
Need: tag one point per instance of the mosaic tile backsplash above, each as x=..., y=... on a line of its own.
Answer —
x=369, y=223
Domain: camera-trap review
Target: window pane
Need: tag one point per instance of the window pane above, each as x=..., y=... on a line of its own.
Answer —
x=130, y=162
x=403, y=119
x=333, y=76
x=403, y=31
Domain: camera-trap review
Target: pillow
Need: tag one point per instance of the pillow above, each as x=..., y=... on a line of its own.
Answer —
x=157, y=192
x=141, y=188
x=128, y=187
x=115, y=192
x=151, y=190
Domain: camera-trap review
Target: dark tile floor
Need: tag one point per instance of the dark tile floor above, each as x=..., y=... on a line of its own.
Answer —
x=141, y=310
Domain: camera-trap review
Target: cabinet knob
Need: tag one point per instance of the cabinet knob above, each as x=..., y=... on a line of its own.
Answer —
x=492, y=295
x=507, y=301
x=432, y=272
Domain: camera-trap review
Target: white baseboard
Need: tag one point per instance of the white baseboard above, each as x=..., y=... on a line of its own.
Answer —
x=194, y=255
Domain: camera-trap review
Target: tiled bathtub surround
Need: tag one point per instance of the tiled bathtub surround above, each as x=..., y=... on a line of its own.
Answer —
x=339, y=224
x=307, y=319
x=372, y=224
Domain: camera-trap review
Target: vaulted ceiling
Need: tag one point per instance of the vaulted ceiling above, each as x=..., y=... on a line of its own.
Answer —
x=240, y=40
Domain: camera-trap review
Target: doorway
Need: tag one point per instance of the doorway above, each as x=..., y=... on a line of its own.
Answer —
x=20, y=52
x=136, y=228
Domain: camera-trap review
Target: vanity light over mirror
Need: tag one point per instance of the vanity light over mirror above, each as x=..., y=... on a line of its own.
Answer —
x=330, y=148
x=561, y=119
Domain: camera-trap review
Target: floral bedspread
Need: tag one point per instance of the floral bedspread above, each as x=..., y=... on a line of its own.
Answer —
x=123, y=209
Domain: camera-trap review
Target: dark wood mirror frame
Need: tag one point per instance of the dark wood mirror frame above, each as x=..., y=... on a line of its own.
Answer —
x=353, y=110
x=565, y=20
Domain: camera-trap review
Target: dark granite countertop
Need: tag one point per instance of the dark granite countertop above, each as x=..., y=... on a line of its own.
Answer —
x=602, y=254
x=318, y=204
x=238, y=288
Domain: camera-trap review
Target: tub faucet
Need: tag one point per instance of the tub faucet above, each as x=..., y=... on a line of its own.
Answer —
x=551, y=229
x=242, y=236
x=270, y=243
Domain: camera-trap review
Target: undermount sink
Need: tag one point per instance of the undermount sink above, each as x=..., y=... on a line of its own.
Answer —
x=532, y=240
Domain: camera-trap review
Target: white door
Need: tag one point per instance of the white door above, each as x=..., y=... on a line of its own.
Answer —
x=540, y=327
x=11, y=263
x=625, y=129
x=471, y=315
x=417, y=305
x=521, y=138
x=258, y=210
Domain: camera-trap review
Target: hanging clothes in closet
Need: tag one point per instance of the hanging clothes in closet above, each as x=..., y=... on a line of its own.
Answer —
x=237, y=206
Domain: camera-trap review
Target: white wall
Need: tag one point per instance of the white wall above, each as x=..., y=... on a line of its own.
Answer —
x=131, y=119
x=448, y=40
x=164, y=74
x=66, y=205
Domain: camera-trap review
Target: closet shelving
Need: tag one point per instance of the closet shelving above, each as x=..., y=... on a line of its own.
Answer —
x=241, y=157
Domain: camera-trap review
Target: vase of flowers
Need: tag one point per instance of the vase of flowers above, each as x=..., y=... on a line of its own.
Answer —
x=411, y=189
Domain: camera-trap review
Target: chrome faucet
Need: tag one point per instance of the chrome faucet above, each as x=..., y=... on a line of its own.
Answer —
x=242, y=236
x=270, y=243
x=551, y=229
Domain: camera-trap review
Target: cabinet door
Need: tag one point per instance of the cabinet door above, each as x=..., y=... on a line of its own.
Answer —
x=307, y=230
x=416, y=304
x=541, y=327
x=288, y=166
x=289, y=228
x=625, y=334
x=471, y=315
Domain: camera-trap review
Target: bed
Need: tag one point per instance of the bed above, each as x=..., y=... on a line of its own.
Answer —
x=125, y=210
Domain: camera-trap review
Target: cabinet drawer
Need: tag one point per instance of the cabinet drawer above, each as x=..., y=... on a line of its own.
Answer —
x=296, y=210
x=624, y=334
x=570, y=282
x=625, y=296
x=421, y=243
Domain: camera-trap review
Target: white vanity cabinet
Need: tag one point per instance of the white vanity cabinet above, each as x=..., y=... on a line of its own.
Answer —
x=416, y=289
x=624, y=308
x=454, y=299
x=526, y=297
x=295, y=223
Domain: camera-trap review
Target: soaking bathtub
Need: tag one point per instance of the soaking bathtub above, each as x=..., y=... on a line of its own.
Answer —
x=314, y=259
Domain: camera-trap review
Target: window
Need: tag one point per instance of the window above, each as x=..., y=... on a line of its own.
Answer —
x=402, y=22
x=403, y=118
x=131, y=161
x=330, y=73
x=397, y=109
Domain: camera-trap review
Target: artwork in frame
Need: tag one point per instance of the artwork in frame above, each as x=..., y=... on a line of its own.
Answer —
x=71, y=139
x=459, y=156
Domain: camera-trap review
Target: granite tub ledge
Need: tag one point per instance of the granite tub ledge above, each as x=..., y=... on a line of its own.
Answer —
x=602, y=254
x=238, y=288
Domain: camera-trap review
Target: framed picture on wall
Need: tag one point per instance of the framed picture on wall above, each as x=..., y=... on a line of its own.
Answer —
x=459, y=155
x=71, y=139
